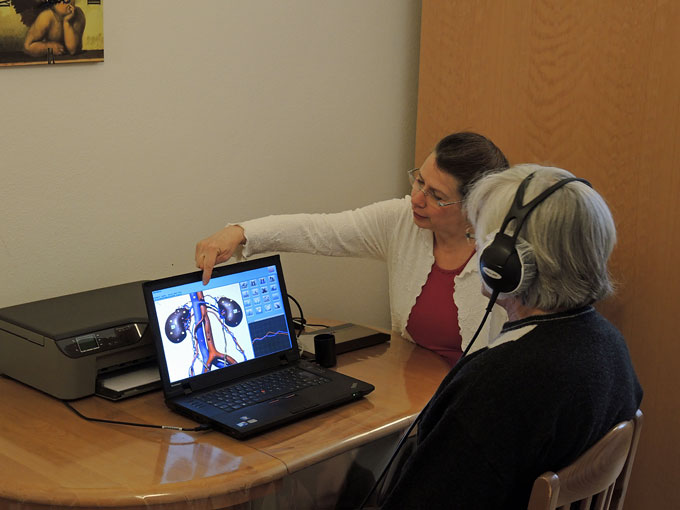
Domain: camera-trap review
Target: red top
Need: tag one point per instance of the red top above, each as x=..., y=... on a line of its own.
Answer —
x=433, y=321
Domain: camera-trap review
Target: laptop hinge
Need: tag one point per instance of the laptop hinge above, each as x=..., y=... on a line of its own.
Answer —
x=186, y=389
x=287, y=358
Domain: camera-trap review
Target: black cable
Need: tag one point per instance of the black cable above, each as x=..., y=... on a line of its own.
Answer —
x=115, y=422
x=298, y=321
x=326, y=326
x=492, y=301
x=385, y=470
x=301, y=321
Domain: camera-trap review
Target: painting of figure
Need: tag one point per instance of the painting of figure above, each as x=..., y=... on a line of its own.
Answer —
x=50, y=31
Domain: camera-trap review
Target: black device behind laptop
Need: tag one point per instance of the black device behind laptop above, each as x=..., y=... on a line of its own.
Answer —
x=231, y=342
x=348, y=337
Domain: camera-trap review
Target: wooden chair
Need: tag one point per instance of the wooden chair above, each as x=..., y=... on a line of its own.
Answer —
x=598, y=479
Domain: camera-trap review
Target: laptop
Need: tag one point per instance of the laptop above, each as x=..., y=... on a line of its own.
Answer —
x=228, y=355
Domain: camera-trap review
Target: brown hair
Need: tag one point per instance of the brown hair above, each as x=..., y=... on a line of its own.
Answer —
x=467, y=156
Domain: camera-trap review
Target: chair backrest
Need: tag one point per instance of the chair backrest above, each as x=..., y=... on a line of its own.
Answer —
x=598, y=479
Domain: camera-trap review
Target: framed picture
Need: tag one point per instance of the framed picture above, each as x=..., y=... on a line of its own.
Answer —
x=51, y=31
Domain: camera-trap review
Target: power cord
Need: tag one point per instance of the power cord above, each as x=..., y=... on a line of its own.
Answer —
x=148, y=425
x=299, y=322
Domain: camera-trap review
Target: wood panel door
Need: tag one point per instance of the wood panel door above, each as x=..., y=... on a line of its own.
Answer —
x=592, y=86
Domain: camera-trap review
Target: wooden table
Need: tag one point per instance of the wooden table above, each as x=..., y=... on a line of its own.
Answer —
x=51, y=458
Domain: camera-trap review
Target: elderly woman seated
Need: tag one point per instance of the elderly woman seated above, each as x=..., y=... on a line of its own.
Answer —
x=558, y=376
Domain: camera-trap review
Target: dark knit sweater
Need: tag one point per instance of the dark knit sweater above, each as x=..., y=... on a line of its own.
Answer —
x=505, y=415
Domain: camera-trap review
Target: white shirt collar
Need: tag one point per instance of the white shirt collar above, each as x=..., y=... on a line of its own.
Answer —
x=511, y=336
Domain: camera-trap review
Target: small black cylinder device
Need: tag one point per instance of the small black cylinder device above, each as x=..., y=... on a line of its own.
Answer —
x=324, y=349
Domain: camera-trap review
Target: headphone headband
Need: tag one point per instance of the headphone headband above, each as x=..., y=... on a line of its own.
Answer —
x=500, y=264
x=519, y=212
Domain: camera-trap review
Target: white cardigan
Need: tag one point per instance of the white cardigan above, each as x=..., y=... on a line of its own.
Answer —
x=384, y=231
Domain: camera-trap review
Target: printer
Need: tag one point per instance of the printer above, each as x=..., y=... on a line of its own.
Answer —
x=80, y=344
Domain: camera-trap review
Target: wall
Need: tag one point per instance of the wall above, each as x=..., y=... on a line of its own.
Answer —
x=203, y=113
x=591, y=86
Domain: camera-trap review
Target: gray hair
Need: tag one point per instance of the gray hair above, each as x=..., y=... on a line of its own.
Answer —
x=571, y=233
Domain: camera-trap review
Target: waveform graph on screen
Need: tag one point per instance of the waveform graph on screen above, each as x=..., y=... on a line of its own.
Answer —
x=269, y=335
x=34, y=32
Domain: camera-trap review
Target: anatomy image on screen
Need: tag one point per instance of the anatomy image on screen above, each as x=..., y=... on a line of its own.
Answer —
x=203, y=333
x=237, y=318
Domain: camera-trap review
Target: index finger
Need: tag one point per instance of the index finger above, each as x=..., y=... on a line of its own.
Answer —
x=208, y=263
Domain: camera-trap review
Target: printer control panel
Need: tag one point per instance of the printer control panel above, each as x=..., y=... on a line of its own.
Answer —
x=101, y=341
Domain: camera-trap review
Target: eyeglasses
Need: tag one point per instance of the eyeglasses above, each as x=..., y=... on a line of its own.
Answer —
x=416, y=181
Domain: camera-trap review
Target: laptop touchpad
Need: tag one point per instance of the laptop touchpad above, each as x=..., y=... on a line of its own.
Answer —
x=298, y=404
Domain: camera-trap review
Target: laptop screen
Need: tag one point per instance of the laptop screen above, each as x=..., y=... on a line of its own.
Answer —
x=239, y=316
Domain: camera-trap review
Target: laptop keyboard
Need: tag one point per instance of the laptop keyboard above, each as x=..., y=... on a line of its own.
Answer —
x=259, y=389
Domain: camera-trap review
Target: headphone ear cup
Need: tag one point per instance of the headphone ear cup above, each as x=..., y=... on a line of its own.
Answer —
x=500, y=264
x=527, y=260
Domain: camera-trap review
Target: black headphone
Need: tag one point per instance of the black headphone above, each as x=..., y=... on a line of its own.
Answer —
x=500, y=264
